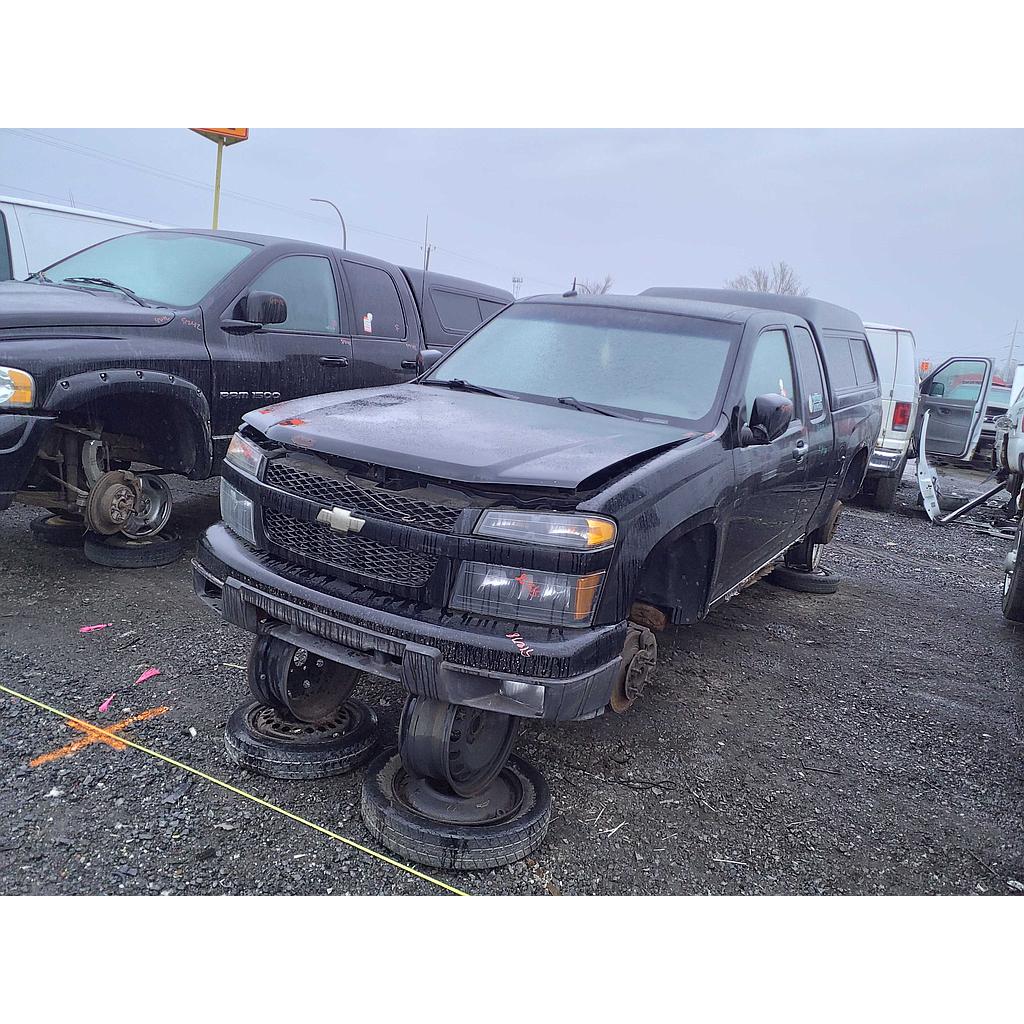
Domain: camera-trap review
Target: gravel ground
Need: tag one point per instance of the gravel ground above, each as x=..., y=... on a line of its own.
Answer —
x=868, y=742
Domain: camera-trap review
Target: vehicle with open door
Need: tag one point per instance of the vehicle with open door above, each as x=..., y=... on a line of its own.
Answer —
x=952, y=407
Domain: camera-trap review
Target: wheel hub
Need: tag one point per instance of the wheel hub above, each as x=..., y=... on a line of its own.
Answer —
x=271, y=723
x=112, y=502
x=639, y=656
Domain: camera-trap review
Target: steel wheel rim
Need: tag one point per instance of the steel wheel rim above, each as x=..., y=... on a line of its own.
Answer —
x=153, y=508
x=311, y=693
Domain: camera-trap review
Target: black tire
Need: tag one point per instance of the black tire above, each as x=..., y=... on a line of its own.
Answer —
x=60, y=530
x=122, y=552
x=1013, y=583
x=821, y=581
x=261, y=740
x=442, y=845
x=886, y=489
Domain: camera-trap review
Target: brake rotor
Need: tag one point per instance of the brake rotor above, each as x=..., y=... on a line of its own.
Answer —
x=639, y=656
x=112, y=502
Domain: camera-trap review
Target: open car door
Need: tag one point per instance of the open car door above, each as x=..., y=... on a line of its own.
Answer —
x=954, y=393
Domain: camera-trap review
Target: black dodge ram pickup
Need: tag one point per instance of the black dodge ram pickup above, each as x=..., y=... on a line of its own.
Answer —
x=500, y=535
x=138, y=356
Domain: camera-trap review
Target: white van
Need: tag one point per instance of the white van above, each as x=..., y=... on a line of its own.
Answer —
x=895, y=353
x=34, y=235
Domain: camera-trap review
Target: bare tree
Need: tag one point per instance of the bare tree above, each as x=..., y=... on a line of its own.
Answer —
x=595, y=287
x=780, y=278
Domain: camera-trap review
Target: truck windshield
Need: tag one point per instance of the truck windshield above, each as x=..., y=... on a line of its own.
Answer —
x=163, y=267
x=657, y=365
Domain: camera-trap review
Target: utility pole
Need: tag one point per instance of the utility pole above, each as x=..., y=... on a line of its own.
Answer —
x=1009, y=358
x=344, y=230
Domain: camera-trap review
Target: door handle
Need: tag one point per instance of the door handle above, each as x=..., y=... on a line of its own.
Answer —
x=410, y=364
x=333, y=361
x=800, y=450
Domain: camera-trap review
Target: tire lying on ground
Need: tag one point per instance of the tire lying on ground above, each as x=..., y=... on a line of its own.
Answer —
x=441, y=844
x=64, y=531
x=126, y=553
x=821, y=581
x=261, y=739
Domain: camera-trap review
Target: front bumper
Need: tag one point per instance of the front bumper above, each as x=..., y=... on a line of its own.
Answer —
x=463, y=659
x=20, y=439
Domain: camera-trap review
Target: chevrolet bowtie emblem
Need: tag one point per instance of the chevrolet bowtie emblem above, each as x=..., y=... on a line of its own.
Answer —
x=340, y=519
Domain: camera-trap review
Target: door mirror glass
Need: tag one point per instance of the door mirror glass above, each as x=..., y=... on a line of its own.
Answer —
x=936, y=388
x=770, y=418
x=265, y=308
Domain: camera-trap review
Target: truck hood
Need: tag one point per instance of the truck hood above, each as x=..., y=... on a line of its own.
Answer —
x=31, y=304
x=465, y=437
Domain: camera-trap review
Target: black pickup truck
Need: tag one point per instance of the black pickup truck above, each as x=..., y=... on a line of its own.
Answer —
x=501, y=535
x=138, y=357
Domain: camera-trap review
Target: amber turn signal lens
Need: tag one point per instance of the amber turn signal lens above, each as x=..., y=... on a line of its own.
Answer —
x=599, y=532
x=586, y=590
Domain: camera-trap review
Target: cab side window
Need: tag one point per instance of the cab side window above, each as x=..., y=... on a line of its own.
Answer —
x=815, y=402
x=306, y=283
x=376, y=302
x=771, y=370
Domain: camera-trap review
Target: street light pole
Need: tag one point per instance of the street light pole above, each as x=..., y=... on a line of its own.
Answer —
x=344, y=230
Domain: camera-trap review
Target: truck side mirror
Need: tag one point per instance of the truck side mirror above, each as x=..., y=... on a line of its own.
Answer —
x=256, y=310
x=769, y=419
x=428, y=357
x=265, y=308
x=936, y=389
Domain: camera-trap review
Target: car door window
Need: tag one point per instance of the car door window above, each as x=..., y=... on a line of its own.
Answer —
x=863, y=369
x=6, y=270
x=306, y=283
x=813, y=387
x=375, y=301
x=960, y=380
x=771, y=369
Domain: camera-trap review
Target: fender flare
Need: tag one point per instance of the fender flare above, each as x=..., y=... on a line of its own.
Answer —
x=95, y=385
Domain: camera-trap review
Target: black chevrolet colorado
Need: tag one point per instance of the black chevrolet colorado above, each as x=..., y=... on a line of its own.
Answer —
x=501, y=535
x=137, y=357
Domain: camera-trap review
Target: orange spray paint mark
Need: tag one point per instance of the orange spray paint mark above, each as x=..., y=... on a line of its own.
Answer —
x=93, y=735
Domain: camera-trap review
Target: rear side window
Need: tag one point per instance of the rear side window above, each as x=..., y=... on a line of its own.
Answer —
x=306, y=283
x=839, y=359
x=6, y=270
x=376, y=302
x=489, y=308
x=771, y=369
x=457, y=312
x=862, y=362
x=810, y=373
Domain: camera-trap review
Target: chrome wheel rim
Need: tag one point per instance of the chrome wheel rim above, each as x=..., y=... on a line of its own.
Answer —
x=153, y=507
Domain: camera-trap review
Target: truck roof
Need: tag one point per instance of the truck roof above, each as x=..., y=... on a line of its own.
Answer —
x=415, y=277
x=79, y=212
x=650, y=303
x=821, y=315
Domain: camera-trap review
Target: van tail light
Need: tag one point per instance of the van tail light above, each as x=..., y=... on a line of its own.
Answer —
x=901, y=416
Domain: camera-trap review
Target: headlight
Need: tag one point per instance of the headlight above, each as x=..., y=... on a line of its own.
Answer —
x=17, y=388
x=501, y=592
x=244, y=455
x=236, y=511
x=561, y=531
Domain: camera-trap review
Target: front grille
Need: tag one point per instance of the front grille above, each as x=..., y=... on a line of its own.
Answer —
x=350, y=553
x=376, y=503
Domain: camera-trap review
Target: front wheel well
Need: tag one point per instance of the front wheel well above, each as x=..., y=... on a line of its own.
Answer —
x=676, y=575
x=138, y=428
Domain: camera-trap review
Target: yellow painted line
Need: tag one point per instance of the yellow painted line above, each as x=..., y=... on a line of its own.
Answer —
x=92, y=729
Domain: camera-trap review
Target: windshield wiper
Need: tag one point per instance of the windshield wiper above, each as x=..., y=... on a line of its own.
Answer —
x=464, y=385
x=575, y=403
x=105, y=282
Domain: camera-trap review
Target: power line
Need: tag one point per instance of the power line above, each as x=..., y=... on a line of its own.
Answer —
x=48, y=140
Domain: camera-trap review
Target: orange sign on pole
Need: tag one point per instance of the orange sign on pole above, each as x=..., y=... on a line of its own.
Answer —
x=227, y=136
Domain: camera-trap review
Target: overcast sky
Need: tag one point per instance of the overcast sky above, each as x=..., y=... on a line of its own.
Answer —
x=920, y=228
